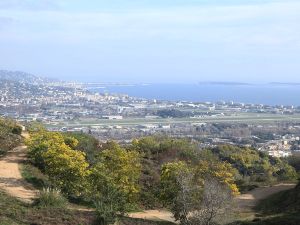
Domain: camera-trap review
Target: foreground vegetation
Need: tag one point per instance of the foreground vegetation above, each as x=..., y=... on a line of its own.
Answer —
x=152, y=172
x=14, y=212
x=74, y=170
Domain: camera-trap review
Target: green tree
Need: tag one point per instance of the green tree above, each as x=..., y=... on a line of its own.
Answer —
x=39, y=143
x=179, y=189
x=67, y=168
x=114, y=181
x=256, y=165
x=221, y=171
x=183, y=187
x=86, y=143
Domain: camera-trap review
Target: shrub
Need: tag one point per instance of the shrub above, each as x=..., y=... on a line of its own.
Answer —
x=17, y=130
x=51, y=198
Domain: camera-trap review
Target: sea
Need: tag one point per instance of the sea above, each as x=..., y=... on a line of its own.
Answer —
x=268, y=94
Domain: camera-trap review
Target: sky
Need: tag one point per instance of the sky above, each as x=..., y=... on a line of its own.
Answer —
x=155, y=41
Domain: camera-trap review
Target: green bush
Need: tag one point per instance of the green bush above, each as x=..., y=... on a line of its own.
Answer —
x=9, y=135
x=17, y=130
x=51, y=198
x=257, y=165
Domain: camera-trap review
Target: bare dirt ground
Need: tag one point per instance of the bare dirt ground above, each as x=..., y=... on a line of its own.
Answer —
x=156, y=215
x=11, y=180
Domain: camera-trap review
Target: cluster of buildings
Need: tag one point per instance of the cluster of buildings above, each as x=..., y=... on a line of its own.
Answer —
x=72, y=107
x=285, y=146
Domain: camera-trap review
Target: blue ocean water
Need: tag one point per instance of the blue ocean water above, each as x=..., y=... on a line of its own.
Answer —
x=269, y=94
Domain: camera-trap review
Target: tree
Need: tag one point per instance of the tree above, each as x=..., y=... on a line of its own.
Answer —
x=185, y=190
x=254, y=164
x=110, y=202
x=216, y=204
x=169, y=185
x=187, y=198
x=71, y=141
x=86, y=143
x=181, y=190
x=114, y=181
x=40, y=142
x=67, y=168
x=221, y=171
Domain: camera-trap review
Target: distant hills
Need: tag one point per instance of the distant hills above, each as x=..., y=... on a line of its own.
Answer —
x=21, y=85
x=22, y=77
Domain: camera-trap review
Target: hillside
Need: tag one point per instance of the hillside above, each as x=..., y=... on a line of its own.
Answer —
x=279, y=209
x=283, y=202
x=22, y=77
x=71, y=170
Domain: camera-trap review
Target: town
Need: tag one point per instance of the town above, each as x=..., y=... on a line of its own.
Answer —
x=74, y=107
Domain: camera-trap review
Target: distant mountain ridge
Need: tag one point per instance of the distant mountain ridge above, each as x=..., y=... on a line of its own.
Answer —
x=22, y=77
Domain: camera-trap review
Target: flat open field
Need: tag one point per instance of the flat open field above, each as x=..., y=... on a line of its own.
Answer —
x=238, y=118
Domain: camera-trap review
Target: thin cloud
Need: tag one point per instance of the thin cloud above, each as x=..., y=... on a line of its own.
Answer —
x=272, y=24
x=28, y=5
x=236, y=36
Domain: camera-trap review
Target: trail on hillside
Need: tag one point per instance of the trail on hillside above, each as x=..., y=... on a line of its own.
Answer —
x=156, y=215
x=11, y=180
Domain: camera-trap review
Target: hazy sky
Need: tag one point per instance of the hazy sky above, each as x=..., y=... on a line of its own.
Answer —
x=152, y=40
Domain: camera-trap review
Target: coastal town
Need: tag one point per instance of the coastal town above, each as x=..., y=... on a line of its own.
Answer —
x=75, y=107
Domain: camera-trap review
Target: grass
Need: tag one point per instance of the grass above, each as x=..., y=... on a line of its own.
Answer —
x=279, y=209
x=34, y=176
x=282, y=202
x=10, y=210
x=51, y=198
x=15, y=212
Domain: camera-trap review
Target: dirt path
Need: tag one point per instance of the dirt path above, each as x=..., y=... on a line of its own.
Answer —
x=246, y=202
x=11, y=180
x=156, y=215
